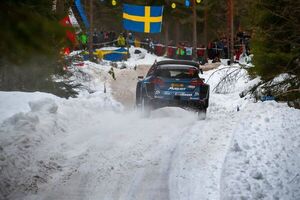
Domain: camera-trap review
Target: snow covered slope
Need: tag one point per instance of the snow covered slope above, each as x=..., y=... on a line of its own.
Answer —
x=263, y=161
x=91, y=148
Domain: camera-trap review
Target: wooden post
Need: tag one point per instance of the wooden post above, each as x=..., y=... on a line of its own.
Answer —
x=91, y=31
x=194, y=29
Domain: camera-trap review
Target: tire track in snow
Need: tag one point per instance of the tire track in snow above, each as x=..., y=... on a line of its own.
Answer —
x=152, y=183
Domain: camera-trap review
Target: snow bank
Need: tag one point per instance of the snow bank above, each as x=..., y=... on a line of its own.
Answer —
x=32, y=126
x=14, y=102
x=21, y=135
x=263, y=161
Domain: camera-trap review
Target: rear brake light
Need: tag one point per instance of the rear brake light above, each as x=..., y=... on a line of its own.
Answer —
x=196, y=82
x=157, y=81
x=192, y=71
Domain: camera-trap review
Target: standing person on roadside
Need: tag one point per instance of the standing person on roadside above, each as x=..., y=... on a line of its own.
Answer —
x=83, y=38
x=151, y=46
x=121, y=41
x=95, y=39
x=113, y=37
x=180, y=53
x=130, y=39
x=189, y=52
x=201, y=54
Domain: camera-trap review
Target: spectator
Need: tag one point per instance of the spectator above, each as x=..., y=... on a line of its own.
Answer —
x=121, y=40
x=238, y=53
x=106, y=36
x=151, y=46
x=201, y=55
x=145, y=44
x=130, y=39
x=180, y=53
x=189, y=52
x=137, y=43
x=83, y=39
x=95, y=39
x=210, y=53
x=113, y=37
x=159, y=49
x=171, y=50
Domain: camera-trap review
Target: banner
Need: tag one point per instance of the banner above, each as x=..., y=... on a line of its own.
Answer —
x=82, y=14
x=147, y=19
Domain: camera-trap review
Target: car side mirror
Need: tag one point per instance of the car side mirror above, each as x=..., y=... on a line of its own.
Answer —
x=140, y=77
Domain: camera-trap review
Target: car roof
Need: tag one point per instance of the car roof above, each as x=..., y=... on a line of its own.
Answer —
x=176, y=66
x=178, y=62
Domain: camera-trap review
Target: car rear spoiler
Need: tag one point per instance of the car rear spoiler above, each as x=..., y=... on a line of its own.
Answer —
x=179, y=62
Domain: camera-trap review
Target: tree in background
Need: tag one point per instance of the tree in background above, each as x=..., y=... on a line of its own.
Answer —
x=31, y=39
x=28, y=28
x=276, y=41
x=276, y=46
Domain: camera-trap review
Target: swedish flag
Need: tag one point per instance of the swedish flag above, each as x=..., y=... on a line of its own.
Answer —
x=146, y=19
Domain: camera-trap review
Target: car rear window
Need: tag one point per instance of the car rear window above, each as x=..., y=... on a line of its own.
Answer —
x=190, y=72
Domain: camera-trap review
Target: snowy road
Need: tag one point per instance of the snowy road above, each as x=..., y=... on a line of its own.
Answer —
x=92, y=148
x=97, y=151
x=124, y=157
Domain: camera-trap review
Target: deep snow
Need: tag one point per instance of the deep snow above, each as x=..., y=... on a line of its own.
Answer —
x=90, y=148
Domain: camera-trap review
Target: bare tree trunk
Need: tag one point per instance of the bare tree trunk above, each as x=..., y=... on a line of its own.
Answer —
x=177, y=33
x=205, y=27
x=91, y=31
x=166, y=31
x=60, y=7
x=194, y=29
x=230, y=31
x=166, y=35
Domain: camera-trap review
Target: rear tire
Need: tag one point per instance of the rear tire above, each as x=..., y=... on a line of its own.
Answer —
x=145, y=107
x=202, y=114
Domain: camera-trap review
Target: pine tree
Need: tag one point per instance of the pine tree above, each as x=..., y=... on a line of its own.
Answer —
x=276, y=41
x=31, y=39
x=29, y=28
x=276, y=47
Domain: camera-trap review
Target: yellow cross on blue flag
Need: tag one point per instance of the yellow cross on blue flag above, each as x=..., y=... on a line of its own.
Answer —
x=147, y=19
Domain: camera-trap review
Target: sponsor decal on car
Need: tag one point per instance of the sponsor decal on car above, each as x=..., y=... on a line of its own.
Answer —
x=177, y=85
x=191, y=86
x=182, y=94
x=175, y=88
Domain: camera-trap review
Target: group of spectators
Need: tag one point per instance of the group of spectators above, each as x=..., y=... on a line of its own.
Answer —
x=214, y=51
x=125, y=39
x=99, y=39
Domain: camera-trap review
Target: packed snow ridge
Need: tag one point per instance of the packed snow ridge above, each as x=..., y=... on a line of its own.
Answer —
x=96, y=146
